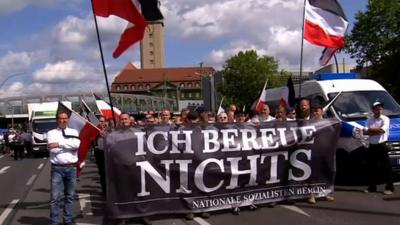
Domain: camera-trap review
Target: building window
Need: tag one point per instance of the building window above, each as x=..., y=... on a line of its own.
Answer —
x=182, y=85
x=151, y=52
x=151, y=61
x=151, y=44
x=190, y=95
x=148, y=86
x=140, y=86
x=133, y=87
x=125, y=87
x=189, y=85
x=197, y=84
x=183, y=95
x=118, y=88
x=197, y=95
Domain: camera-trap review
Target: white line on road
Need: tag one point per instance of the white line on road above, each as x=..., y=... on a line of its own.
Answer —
x=30, y=181
x=85, y=204
x=295, y=209
x=201, y=221
x=3, y=170
x=7, y=211
x=40, y=166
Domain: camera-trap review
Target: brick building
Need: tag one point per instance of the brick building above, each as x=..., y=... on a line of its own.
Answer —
x=181, y=83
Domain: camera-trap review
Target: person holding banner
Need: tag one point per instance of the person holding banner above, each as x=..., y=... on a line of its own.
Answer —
x=124, y=120
x=318, y=114
x=377, y=127
x=63, y=143
x=304, y=110
x=166, y=117
x=99, y=153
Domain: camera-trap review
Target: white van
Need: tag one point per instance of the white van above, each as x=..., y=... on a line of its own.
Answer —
x=352, y=107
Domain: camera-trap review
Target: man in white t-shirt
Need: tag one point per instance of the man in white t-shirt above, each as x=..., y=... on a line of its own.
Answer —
x=377, y=128
x=63, y=143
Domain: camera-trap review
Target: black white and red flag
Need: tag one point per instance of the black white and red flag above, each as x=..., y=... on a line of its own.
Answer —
x=288, y=95
x=259, y=104
x=88, y=132
x=325, y=23
x=89, y=113
x=128, y=11
x=105, y=109
x=326, y=55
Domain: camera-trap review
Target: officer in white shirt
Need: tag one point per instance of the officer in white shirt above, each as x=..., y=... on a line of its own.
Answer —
x=63, y=143
x=377, y=128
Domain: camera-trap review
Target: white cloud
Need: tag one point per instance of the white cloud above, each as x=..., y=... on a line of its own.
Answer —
x=212, y=19
x=270, y=27
x=14, y=63
x=15, y=5
x=9, y=6
x=66, y=71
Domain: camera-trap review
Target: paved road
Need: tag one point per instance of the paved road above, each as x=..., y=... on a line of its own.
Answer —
x=18, y=182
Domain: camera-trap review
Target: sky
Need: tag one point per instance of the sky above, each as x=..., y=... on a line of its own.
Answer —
x=50, y=46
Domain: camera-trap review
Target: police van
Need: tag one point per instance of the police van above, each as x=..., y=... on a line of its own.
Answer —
x=352, y=107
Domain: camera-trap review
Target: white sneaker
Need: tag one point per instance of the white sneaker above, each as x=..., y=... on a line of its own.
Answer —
x=387, y=192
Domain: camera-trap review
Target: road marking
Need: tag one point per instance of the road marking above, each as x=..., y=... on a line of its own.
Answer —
x=40, y=166
x=30, y=181
x=295, y=209
x=396, y=184
x=85, y=204
x=3, y=170
x=201, y=221
x=7, y=211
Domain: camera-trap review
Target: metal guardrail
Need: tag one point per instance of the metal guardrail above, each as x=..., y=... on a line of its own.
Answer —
x=125, y=102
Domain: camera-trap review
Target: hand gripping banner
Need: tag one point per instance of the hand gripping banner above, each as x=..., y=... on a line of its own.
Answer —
x=197, y=168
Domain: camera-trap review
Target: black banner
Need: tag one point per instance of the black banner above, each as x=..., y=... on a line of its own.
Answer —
x=197, y=168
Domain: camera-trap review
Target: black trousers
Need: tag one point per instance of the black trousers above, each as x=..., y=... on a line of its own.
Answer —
x=99, y=156
x=18, y=151
x=28, y=147
x=378, y=160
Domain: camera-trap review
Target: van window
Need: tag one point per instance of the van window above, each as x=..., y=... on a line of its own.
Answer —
x=42, y=126
x=357, y=104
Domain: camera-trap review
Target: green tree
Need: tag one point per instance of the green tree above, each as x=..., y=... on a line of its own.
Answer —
x=244, y=77
x=375, y=40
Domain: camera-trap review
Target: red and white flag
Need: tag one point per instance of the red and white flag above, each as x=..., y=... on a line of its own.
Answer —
x=325, y=23
x=126, y=10
x=326, y=55
x=261, y=101
x=88, y=133
x=105, y=109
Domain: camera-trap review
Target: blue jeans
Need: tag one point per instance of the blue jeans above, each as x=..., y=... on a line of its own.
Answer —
x=63, y=180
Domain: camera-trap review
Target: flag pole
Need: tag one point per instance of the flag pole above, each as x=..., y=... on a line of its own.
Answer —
x=337, y=65
x=103, y=63
x=301, y=49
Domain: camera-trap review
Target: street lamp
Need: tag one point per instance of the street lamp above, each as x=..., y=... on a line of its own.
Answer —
x=9, y=77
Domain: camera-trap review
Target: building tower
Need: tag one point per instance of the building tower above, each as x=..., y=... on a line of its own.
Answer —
x=152, y=46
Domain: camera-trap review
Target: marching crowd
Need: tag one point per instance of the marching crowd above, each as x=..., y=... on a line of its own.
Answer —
x=63, y=143
x=18, y=142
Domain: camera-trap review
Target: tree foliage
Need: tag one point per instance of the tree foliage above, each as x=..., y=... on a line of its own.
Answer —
x=375, y=40
x=244, y=77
